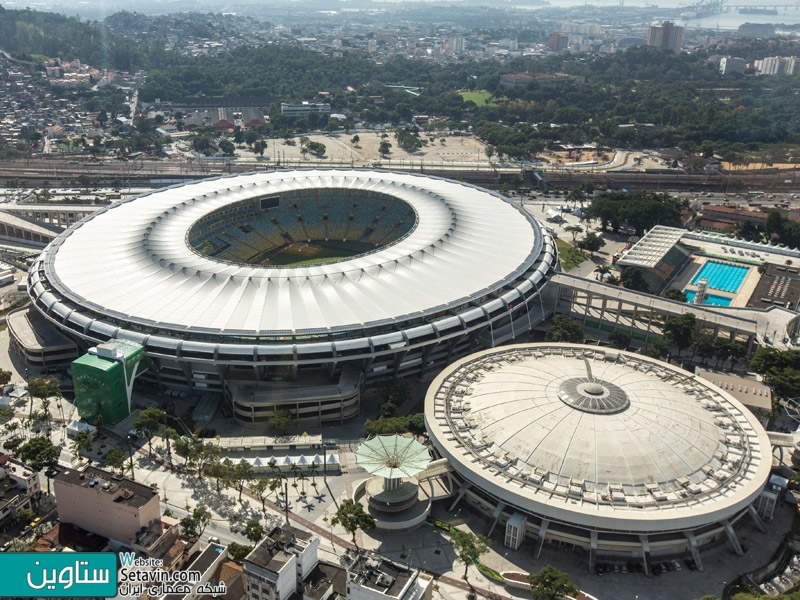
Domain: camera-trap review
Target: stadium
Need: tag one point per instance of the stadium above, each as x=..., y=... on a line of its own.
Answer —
x=607, y=452
x=291, y=289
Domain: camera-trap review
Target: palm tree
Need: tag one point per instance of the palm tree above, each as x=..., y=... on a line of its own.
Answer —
x=601, y=271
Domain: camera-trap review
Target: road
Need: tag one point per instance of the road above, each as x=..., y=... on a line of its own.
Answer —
x=36, y=172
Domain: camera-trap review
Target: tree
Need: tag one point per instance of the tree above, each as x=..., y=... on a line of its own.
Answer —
x=383, y=148
x=83, y=441
x=169, y=434
x=281, y=420
x=574, y=230
x=591, y=242
x=566, y=329
x=219, y=470
x=193, y=525
x=354, y=141
x=254, y=531
x=619, y=340
x=227, y=147
x=41, y=455
x=633, y=279
x=116, y=458
x=41, y=388
x=203, y=455
x=675, y=294
x=469, y=547
x=656, y=349
x=680, y=330
x=260, y=488
x=241, y=473
x=352, y=517
x=238, y=552
x=148, y=423
x=25, y=516
x=5, y=377
x=550, y=584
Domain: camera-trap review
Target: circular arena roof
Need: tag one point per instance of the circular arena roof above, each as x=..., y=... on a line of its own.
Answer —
x=598, y=438
x=132, y=262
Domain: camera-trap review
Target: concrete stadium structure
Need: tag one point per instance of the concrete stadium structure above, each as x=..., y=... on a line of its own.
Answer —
x=607, y=451
x=289, y=289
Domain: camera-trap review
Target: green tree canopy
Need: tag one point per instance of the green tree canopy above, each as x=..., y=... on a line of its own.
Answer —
x=148, y=423
x=194, y=524
x=238, y=552
x=281, y=421
x=254, y=531
x=675, y=294
x=567, y=329
x=680, y=330
x=633, y=279
x=352, y=517
x=550, y=584
x=469, y=547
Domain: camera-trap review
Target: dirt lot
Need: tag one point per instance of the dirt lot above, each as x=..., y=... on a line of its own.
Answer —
x=455, y=151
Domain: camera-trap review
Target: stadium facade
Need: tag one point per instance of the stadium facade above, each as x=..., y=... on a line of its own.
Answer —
x=605, y=451
x=290, y=289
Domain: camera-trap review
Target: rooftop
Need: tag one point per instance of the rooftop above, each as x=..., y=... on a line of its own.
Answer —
x=272, y=553
x=602, y=435
x=451, y=254
x=652, y=248
x=322, y=577
x=125, y=491
x=379, y=574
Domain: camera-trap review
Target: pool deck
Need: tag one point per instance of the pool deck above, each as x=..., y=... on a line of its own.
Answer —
x=740, y=298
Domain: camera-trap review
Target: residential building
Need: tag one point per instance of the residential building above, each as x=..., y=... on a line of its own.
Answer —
x=276, y=567
x=667, y=36
x=756, y=30
x=777, y=65
x=558, y=42
x=375, y=578
x=106, y=504
x=731, y=64
x=19, y=487
x=292, y=111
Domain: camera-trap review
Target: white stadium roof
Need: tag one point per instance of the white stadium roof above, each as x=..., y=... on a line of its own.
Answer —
x=598, y=438
x=131, y=262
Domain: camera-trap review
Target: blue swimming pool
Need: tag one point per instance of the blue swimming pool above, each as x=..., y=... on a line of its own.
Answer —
x=712, y=299
x=722, y=276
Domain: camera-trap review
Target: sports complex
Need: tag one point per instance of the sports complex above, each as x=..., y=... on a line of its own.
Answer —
x=604, y=451
x=291, y=289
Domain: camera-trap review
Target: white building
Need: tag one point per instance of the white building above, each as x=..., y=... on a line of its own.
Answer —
x=301, y=110
x=731, y=64
x=607, y=451
x=374, y=578
x=19, y=487
x=276, y=567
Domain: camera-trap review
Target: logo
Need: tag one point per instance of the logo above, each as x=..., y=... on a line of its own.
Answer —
x=72, y=574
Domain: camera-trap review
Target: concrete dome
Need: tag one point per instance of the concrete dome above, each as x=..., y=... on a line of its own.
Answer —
x=597, y=438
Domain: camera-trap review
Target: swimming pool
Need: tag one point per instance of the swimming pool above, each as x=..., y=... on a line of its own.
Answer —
x=711, y=299
x=722, y=276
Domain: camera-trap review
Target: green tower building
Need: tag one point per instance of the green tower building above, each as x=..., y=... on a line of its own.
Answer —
x=103, y=379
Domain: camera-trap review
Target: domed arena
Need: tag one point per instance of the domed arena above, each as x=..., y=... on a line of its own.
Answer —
x=606, y=451
x=291, y=289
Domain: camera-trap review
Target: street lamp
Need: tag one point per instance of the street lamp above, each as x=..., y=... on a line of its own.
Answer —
x=130, y=454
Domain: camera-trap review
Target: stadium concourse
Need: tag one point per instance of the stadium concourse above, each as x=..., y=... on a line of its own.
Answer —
x=290, y=289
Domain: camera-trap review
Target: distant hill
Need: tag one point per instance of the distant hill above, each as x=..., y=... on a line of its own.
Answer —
x=27, y=34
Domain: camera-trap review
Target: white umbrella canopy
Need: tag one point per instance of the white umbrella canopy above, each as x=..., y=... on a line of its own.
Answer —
x=393, y=456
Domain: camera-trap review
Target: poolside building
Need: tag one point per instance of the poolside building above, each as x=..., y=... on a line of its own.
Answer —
x=660, y=256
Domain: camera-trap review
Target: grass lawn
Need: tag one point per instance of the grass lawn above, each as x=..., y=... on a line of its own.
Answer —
x=479, y=97
x=570, y=256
